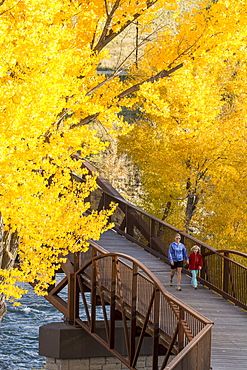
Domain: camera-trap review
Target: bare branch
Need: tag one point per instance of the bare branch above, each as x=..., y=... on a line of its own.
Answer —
x=7, y=10
x=131, y=90
x=106, y=8
x=105, y=39
x=107, y=25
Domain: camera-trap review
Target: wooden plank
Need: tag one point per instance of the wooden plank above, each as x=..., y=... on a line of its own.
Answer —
x=229, y=335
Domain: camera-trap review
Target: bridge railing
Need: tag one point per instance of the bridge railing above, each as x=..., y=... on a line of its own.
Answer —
x=131, y=298
x=221, y=271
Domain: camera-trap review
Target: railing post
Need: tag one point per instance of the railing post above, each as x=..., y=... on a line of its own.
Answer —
x=93, y=294
x=203, y=270
x=102, y=202
x=129, y=222
x=156, y=328
x=76, y=287
x=180, y=330
x=152, y=232
x=133, y=313
x=226, y=273
x=73, y=290
x=113, y=303
x=71, y=298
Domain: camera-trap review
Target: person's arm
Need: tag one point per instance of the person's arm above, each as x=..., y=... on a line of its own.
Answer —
x=200, y=261
x=185, y=255
x=190, y=261
x=170, y=254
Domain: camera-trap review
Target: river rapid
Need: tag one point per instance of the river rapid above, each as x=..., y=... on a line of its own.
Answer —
x=19, y=332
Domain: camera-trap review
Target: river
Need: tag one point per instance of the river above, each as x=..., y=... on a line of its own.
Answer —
x=19, y=332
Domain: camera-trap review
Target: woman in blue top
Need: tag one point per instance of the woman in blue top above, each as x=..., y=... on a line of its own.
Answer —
x=176, y=254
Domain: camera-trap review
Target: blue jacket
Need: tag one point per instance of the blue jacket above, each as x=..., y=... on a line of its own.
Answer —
x=177, y=252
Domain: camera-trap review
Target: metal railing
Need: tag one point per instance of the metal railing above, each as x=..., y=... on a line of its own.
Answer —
x=128, y=294
x=131, y=297
x=221, y=272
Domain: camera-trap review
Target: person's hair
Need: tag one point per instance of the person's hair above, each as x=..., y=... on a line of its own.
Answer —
x=177, y=236
x=196, y=246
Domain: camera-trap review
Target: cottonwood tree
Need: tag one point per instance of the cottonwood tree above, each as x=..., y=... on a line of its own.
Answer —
x=190, y=139
x=51, y=90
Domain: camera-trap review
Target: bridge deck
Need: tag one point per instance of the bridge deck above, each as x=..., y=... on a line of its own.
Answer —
x=229, y=338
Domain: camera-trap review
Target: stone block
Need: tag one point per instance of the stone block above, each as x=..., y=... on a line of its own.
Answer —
x=80, y=362
x=50, y=360
x=53, y=366
x=112, y=367
x=112, y=360
x=95, y=367
x=141, y=363
x=63, y=364
x=123, y=367
x=97, y=360
x=149, y=361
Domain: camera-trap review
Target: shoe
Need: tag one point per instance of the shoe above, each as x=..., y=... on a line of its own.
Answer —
x=171, y=283
x=195, y=287
x=179, y=287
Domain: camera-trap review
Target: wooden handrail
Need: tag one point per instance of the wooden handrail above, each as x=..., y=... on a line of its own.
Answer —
x=220, y=272
x=128, y=292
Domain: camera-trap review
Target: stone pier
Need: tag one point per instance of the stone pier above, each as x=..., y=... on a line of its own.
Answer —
x=68, y=348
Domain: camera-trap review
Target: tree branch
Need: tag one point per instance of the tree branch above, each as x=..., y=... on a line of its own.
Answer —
x=107, y=24
x=131, y=90
x=7, y=10
x=104, y=38
x=162, y=74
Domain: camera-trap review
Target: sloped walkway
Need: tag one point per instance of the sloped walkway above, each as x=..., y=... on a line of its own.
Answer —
x=229, y=337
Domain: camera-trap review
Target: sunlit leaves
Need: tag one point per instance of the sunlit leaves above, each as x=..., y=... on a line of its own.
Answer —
x=196, y=150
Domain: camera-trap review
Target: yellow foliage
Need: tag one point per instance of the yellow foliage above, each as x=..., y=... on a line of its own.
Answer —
x=51, y=89
x=190, y=142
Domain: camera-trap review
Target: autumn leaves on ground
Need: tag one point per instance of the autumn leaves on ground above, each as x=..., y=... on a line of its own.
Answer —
x=186, y=71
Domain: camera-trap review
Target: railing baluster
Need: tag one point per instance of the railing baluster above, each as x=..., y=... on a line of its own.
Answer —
x=133, y=313
x=156, y=328
x=76, y=287
x=180, y=329
x=226, y=273
x=93, y=297
x=113, y=303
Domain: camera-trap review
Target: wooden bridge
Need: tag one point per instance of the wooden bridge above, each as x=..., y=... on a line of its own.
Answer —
x=126, y=274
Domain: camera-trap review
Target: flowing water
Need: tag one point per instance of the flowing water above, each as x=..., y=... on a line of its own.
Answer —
x=19, y=332
x=19, y=329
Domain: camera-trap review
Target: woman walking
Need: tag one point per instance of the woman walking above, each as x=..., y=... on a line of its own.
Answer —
x=176, y=254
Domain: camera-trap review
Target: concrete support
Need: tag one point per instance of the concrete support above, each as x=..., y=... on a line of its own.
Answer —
x=68, y=348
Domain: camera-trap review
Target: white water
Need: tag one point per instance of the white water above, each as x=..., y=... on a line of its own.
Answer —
x=19, y=331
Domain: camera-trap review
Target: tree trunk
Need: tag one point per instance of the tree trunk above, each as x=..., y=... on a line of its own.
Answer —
x=8, y=251
x=192, y=200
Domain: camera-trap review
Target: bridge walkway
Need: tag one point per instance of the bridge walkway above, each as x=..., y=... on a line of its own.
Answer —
x=229, y=335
